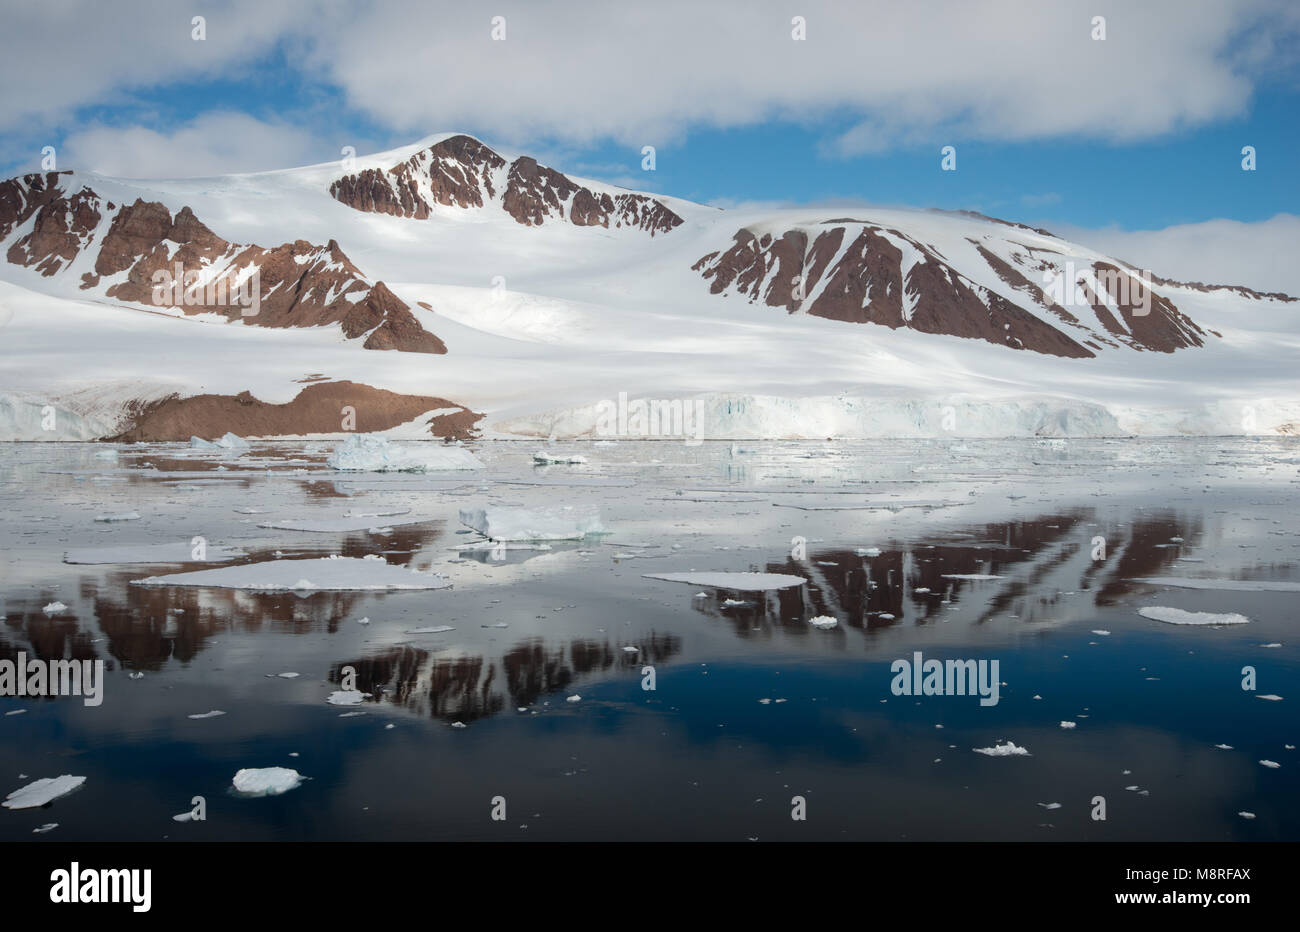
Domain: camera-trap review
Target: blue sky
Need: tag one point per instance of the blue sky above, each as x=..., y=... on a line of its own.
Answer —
x=1140, y=131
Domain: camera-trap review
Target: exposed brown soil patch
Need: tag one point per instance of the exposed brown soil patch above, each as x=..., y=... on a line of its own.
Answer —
x=318, y=409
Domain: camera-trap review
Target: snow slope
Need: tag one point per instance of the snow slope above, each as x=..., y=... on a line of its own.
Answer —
x=546, y=326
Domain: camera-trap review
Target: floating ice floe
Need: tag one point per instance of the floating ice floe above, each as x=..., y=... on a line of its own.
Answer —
x=740, y=582
x=554, y=458
x=868, y=552
x=1271, y=697
x=329, y=574
x=1246, y=815
x=178, y=552
x=434, y=629
x=213, y=714
x=42, y=791
x=47, y=827
x=971, y=576
x=1050, y=805
x=373, y=453
x=507, y=524
x=1176, y=616
x=339, y=524
x=487, y=546
x=823, y=621
x=1228, y=585
x=346, y=697
x=1271, y=764
x=1069, y=724
x=266, y=781
x=54, y=608
x=1224, y=747
x=574, y=698
x=124, y=516
x=226, y=442
x=1003, y=750
x=1101, y=632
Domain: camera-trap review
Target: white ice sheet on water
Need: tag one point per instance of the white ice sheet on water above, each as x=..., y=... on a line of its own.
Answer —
x=1176, y=616
x=328, y=574
x=1227, y=585
x=180, y=551
x=42, y=791
x=743, y=582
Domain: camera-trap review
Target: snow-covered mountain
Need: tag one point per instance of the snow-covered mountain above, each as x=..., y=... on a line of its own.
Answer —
x=535, y=300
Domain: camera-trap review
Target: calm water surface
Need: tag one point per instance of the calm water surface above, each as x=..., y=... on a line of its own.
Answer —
x=703, y=755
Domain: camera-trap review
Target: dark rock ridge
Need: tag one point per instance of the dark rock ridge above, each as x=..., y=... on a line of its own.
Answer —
x=297, y=284
x=462, y=172
x=855, y=271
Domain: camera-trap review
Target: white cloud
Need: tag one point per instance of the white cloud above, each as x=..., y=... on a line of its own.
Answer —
x=590, y=70
x=212, y=144
x=1218, y=252
x=62, y=55
x=909, y=72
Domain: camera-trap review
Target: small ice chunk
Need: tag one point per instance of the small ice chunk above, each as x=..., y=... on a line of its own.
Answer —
x=433, y=629
x=1003, y=750
x=971, y=576
x=574, y=698
x=1101, y=632
x=1224, y=747
x=47, y=827
x=123, y=516
x=42, y=791
x=823, y=621
x=1271, y=697
x=550, y=458
x=266, y=781
x=226, y=441
x=1069, y=724
x=1271, y=764
x=1246, y=815
x=346, y=697
x=1050, y=805
x=213, y=714
x=54, y=608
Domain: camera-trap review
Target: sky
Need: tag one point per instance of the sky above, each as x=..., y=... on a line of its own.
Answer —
x=1132, y=141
